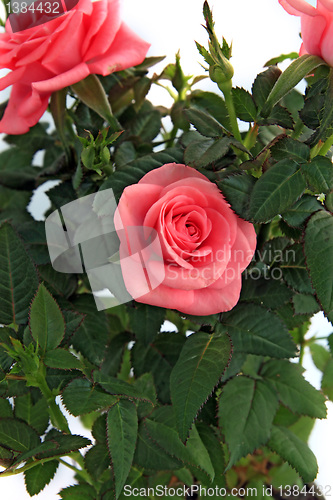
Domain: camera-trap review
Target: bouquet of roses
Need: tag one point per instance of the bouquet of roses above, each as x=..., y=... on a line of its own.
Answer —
x=166, y=296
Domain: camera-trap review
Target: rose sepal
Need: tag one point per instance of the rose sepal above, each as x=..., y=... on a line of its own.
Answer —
x=92, y=93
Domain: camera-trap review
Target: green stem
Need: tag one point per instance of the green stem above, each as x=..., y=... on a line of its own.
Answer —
x=58, y=419
x=226, y=89
x=301, y=353
x=81, y=472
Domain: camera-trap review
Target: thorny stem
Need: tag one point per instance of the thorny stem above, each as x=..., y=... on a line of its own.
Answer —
x=226, y=89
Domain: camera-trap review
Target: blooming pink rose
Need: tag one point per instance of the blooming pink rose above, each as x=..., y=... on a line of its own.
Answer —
x=316, y=26
x=88, y=39
x=205, y=245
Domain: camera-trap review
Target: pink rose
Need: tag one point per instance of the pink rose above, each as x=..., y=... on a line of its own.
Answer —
x=205, y=245
x=316, y=26
x=89, y=39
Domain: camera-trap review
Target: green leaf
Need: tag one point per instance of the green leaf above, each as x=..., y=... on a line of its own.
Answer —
x=62, y=359
x=62, y=284
x=5, y=408
x=13, y=205
x=269, y=293
x=287, y=314
x=6, y=361
x=17, y=435
x=318, y=247
x=205, y=151
x=78, y=492
x=146, y=125
x=145, y=385
x=122, y=430
x=81, y=396
x=320, y=356
x=329, y=202
x=146, y=321
x=97, y=460
x=15, y=169
x=213, y=104
x=114, y=385
x=33, y=234
x=256, y=330
x=263, y=85
x=37, y=138
x=295, y=452
x=255, y=404
x=138, y=168
x=294, y=269
x=206, y=124
x=327, y=380
x=158, y=359
x=61, y=194
x=279, y=116
x=114, y=354
x=297, y=214
x=213, y=445
x=18, y=278
x=33, y=413
x=305, y=304
x=200, y=366
x=294, y=391
x=124, y=154
x=92, y=336
x=244, y=105
x=62, y=444
x=237, y=189
x=46, y=322
x=288, y=148
x=151, y=456
x=319, y=174
x=324, y=130
x=276, y=190
x=281, y=58
x=39, y=476
x=73, y=321
x=193, y=455
x=295, y=72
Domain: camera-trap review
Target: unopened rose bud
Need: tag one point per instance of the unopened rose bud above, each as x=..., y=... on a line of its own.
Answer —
x=221, y=74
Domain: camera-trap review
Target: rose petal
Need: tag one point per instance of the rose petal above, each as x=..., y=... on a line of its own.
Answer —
x=63, y=80
x=241, y=254
x=326, y=4
x=127, y=50
x=170, y=173
x=13, y=121
x=102, y=31
x=327, y=44
x=211, y=301
x=312, y=29
x=298, y=7
x=131, y=213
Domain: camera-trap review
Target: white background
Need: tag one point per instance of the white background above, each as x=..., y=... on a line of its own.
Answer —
x=259, y=30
